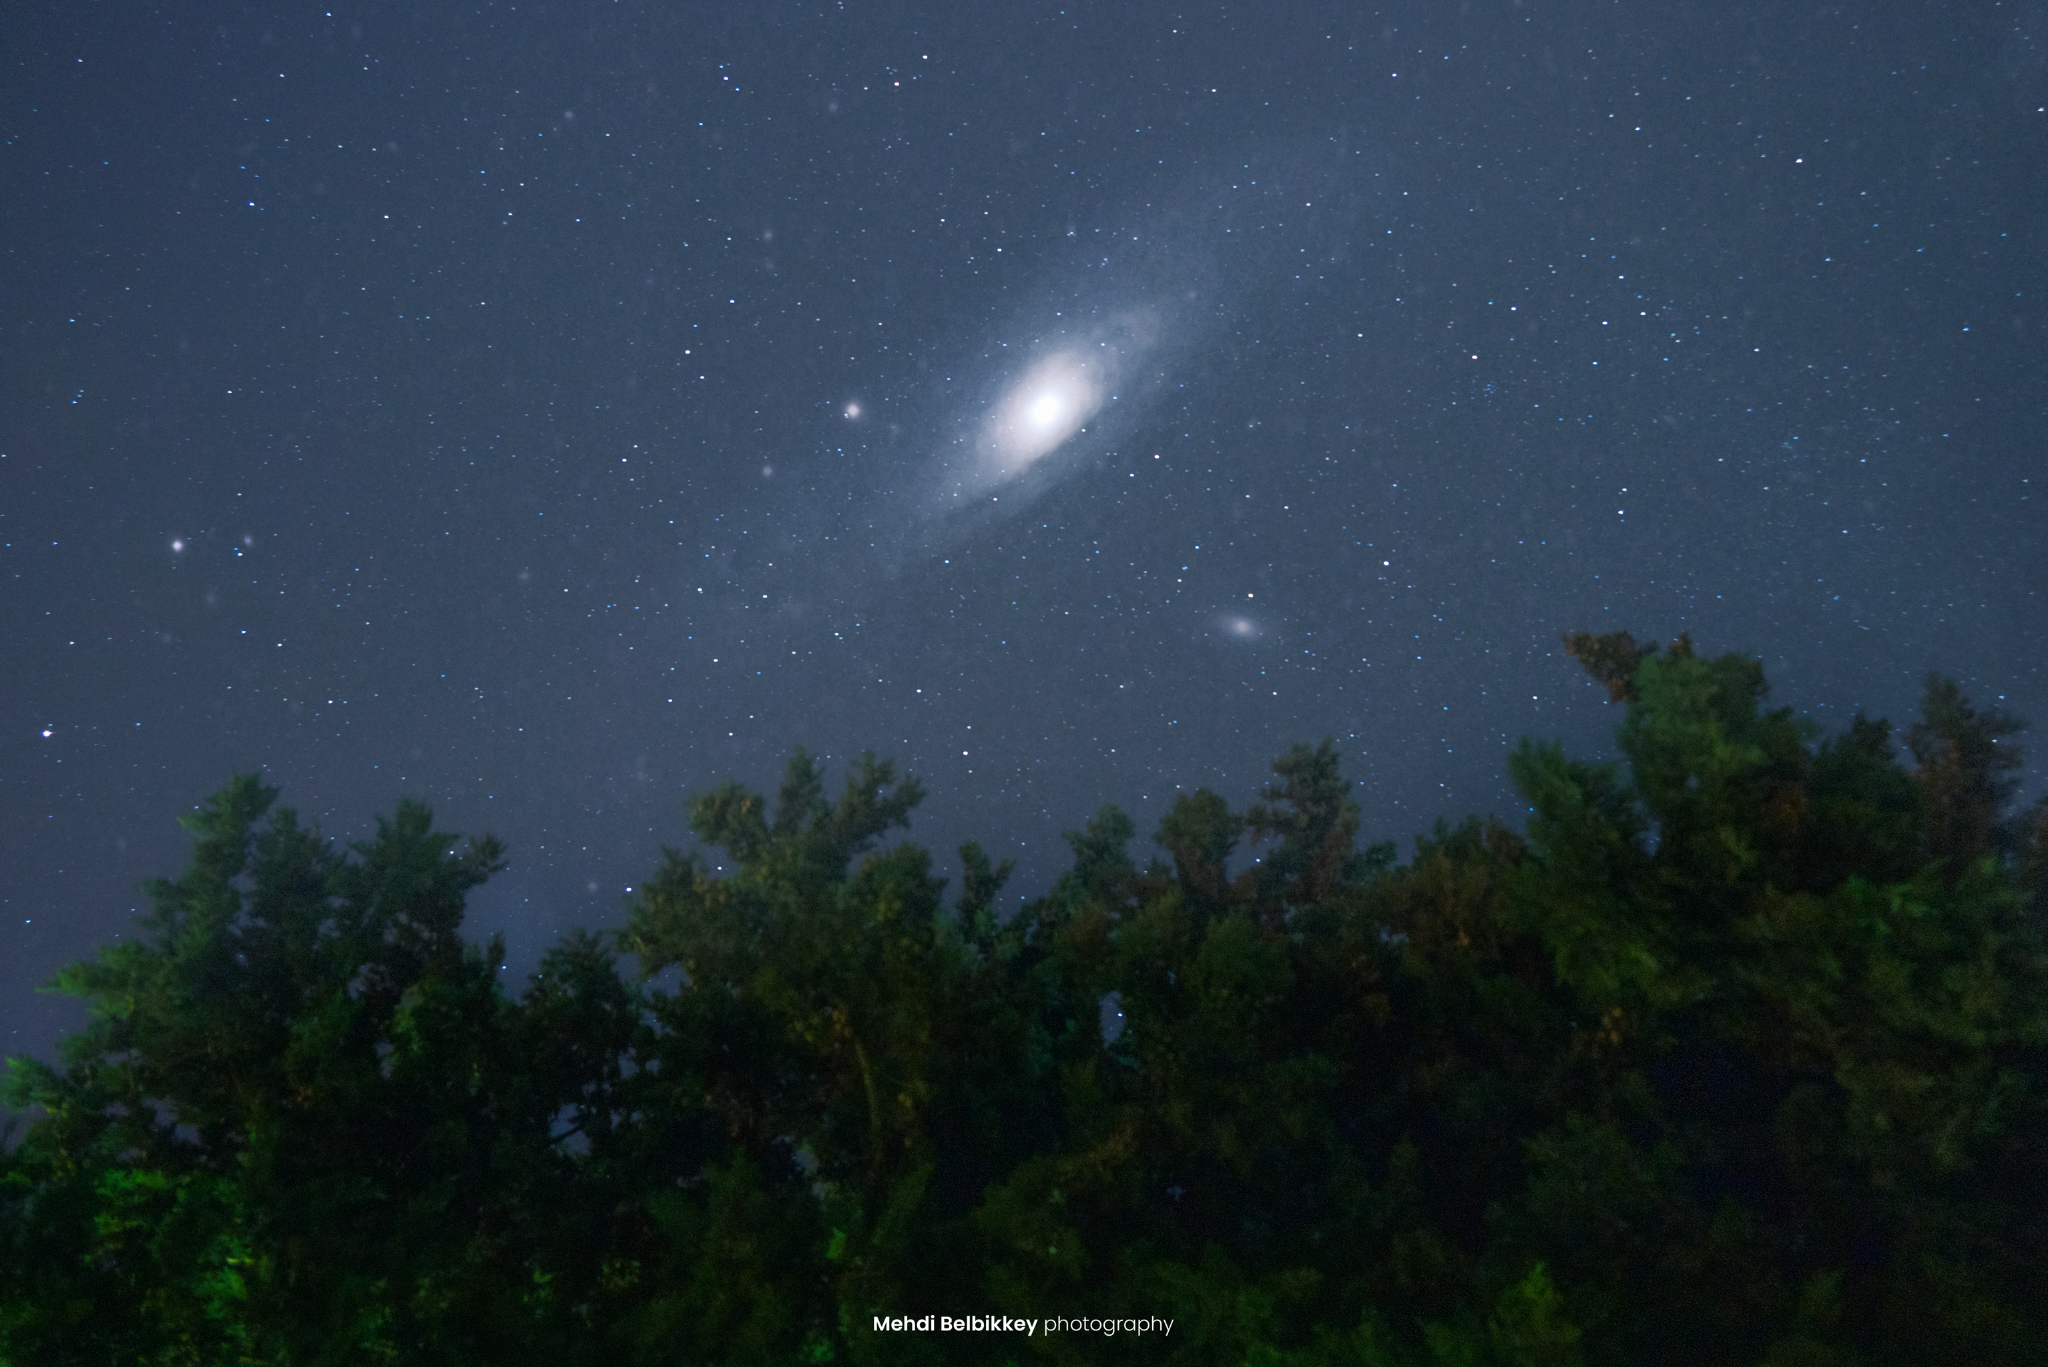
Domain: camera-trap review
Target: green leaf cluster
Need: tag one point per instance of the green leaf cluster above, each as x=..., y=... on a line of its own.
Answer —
x=1734, y=1054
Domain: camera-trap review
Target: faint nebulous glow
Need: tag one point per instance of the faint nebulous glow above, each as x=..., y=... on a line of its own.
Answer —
x=1244, y=628
x=853, y=410
x=1043, y=409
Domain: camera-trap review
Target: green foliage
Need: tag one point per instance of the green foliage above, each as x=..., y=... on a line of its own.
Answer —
x=1734, y=1054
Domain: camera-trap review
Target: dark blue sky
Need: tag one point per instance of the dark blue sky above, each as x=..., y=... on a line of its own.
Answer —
x=551, y=411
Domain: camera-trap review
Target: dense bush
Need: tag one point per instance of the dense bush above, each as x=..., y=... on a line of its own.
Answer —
x=1734, y=1055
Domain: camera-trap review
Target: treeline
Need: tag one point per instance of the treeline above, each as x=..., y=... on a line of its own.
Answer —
x=1737, y=1054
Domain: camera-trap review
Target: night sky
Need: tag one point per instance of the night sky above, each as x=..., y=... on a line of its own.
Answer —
x=550, y=411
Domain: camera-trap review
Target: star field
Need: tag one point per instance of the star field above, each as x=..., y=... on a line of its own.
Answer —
x=553, y=412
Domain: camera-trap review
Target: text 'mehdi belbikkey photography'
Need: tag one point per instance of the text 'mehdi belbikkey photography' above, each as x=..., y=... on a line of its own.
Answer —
x=875, y=682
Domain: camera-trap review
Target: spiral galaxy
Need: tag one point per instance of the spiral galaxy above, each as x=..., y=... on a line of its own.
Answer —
x=1048, y=406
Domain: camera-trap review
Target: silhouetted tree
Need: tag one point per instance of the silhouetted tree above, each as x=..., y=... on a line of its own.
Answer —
x=1736, y=1053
